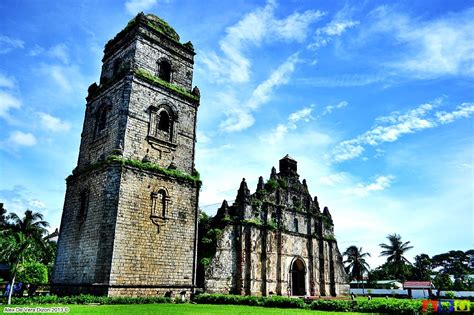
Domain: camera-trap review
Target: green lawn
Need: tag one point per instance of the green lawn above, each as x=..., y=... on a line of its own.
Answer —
x=179, y=309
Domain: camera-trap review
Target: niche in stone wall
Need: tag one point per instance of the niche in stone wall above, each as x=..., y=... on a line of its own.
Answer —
x=159, y=212
x=162, y=127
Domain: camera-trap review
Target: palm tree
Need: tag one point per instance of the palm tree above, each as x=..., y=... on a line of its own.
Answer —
x=356, y=264
x=20, y=234
x=3, y=218
x=395, y=251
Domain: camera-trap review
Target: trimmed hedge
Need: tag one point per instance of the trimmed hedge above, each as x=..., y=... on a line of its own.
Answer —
x=390, y=306
x=88, y=299
x=273, y=301
x=382, y=306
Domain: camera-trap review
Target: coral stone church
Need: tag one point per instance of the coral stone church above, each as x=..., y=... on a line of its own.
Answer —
x=130, y=220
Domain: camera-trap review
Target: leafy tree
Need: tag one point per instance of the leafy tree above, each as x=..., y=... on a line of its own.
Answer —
x=3, y=218
x=355, y=260
x=454, y=262
x=394, y=252
x=33, y=273
x=422, y=268
x=383, y=272
x=461, y=284
x=442, y=281
x=19, y=235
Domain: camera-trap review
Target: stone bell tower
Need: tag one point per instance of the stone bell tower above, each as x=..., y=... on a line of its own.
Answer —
x=130, y=214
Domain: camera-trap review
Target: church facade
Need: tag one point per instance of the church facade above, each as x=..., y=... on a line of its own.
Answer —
x=276, y=241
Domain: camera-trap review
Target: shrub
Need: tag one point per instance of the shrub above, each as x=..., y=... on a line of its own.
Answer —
x=33, y=273
x=391, y=306
x=449, y=295
x=282, y=302
x=271, y=185
x=273, y=301
x=226, y=299
x=89, y=299
x=332, y=305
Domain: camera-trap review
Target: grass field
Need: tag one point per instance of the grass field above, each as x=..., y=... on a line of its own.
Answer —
x=178, y=309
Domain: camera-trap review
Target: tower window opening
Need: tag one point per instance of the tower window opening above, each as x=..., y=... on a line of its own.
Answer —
x=83, y=203
x=295, y=223
x=164, y=71
x=102, y=121
x=162, y=199
x=164, y=121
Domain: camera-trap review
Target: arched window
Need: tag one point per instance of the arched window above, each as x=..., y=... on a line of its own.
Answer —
x=164, y=70
x=101, y=115
x=159, y=203
x=162, y=200
x=102, y=122
x=295, y=223
x=164, y=121
x=83, y=203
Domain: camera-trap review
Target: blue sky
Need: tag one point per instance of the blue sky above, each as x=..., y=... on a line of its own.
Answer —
x=374, y=99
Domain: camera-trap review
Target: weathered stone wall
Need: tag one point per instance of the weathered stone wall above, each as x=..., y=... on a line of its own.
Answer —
x=97, y=145
x=270, y=232
x=148, y=54
x=86, y=241
x=262, y=278
x=138, y=235
x=145, y=254
x=221, y=274
x=137, y=144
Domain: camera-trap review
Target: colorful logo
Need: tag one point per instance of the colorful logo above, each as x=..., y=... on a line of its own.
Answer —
x=446, y=306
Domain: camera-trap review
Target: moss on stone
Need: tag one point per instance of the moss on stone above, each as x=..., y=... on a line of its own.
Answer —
x=144, y=74
x=161, y=26
x=147, y=166
x=154, y=22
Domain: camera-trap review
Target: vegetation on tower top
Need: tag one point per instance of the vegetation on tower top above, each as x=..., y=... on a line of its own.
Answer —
x=161, y=26
x=153, y=22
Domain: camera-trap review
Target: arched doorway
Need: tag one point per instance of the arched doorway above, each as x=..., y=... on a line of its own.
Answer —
x=298, y=278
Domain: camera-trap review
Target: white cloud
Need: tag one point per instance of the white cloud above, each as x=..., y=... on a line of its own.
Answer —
x=462, y=111
x=37, y=204
x=52, y=123
x=67, y=77
x=391, y=128
x=334, y=179
x=135, y=6
x=6, y=82
x=8, y=102
x=344, y=80
x=202, y=137
x=239, y=117
x=328, y=109
x=60, y=52
x=253, y=29
x=21, y=139
x=333, y=29
x=302, y=114
x=279, y=132
x=280, y=76
x=18, y=199
x=36, y=50
x=380, y=183
x=442, y=46
x=8, y=44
